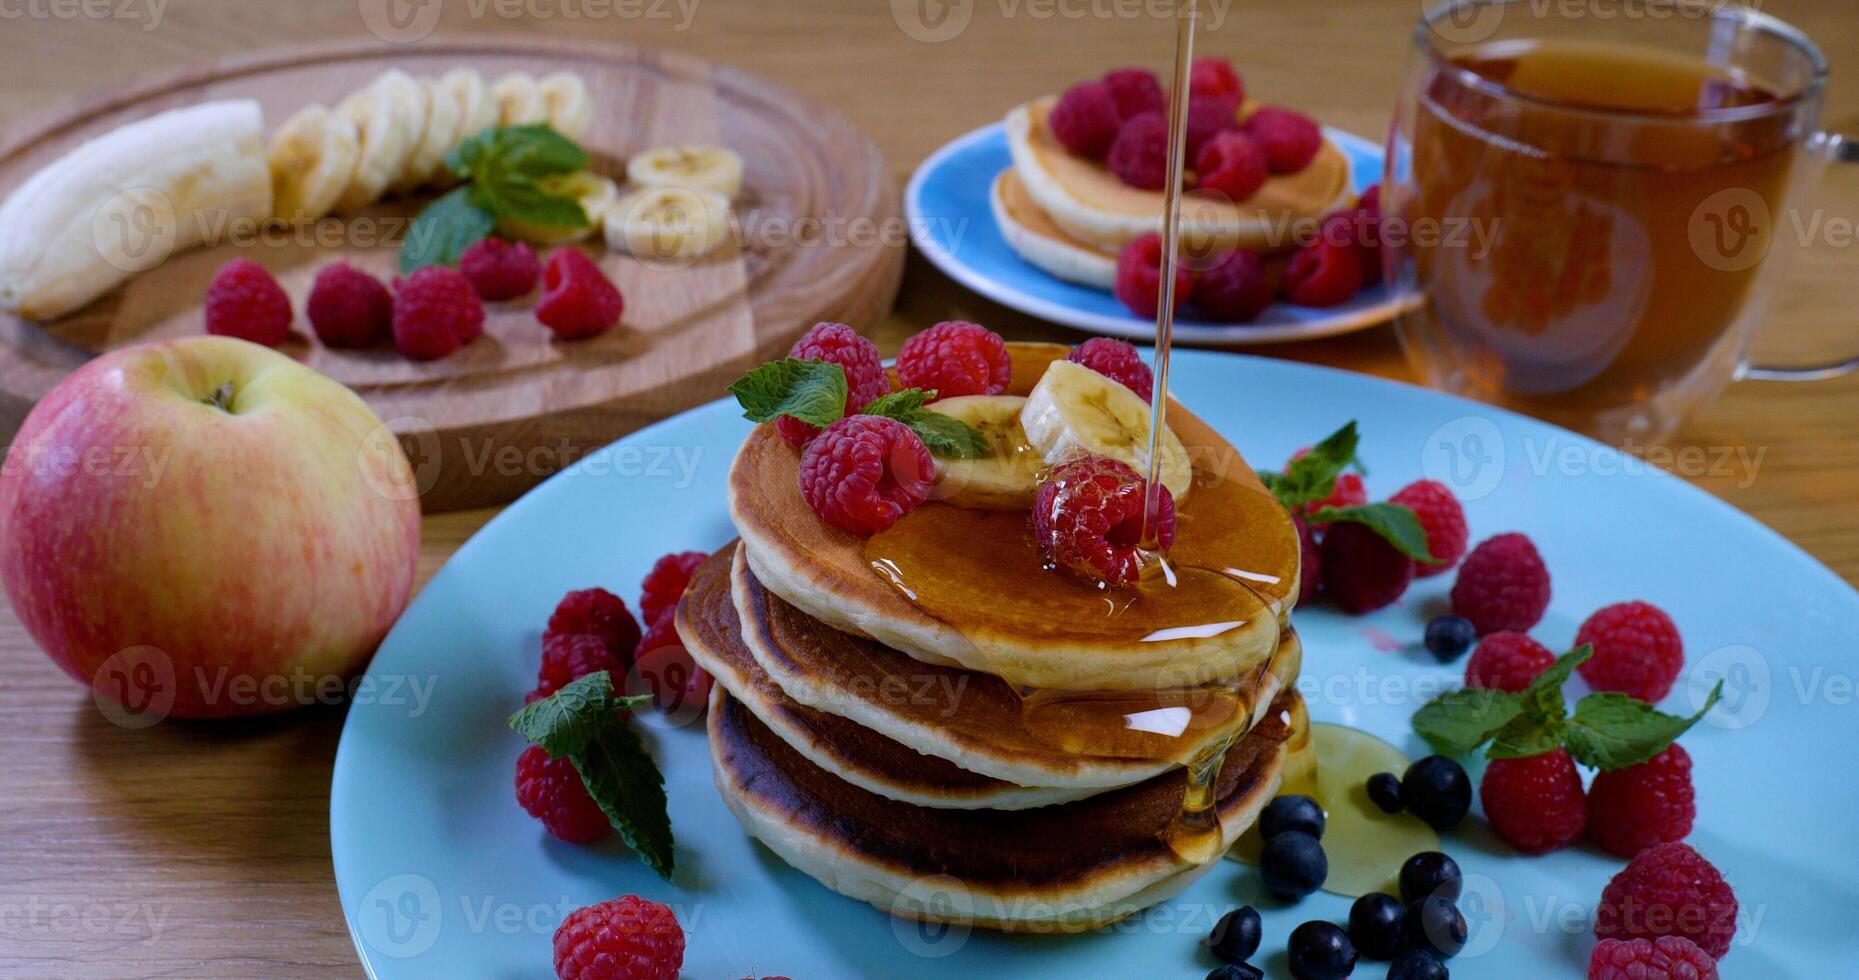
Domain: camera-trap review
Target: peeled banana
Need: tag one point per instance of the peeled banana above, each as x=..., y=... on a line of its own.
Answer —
x=391, y=115
x=312, y=157
x=704, y=168
x=519, y=100
x=570, y=108
x=437, y=137
x=1008, y=475
x=668, y=224
x=1074, y=410
x=596, y=195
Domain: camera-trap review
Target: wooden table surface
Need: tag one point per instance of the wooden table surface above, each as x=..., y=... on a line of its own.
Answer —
x=187, y=851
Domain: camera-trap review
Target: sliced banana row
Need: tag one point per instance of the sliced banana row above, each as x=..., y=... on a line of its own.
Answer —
x=393, y=135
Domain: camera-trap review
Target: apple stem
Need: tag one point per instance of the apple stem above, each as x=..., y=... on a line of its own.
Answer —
x=222, y=398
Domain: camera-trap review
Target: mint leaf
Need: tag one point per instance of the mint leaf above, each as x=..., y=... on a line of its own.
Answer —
x=1557, y=674
x=1459, y=721
x=1312, y=476
x=538, y=151
x=1613, y=731
x=1394, y=523
x=529, y=202
x=564, y=722
x=943, y=435
x=1527, y=735
x=812, y=391
x=622, y=778
x=443, y=230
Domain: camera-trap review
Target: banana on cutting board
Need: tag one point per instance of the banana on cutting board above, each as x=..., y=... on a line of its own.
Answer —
x=519, y=100
x=704, y=168
x=312, y=158
x=668, y=224
x=596, y=194
x=391, y=117
x=1074, y=410
x=128, y=199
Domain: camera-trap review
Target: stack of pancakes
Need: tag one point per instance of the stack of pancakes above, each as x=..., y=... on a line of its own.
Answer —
x=885, y=751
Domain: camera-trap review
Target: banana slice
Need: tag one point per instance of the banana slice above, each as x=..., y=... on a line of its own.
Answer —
x=596, y=194
x=1008, y=476
x=312, y=157
x=668, y=224
x=519, y=101
x=438, y=136
x=391, y=116
x=477, y=111
x=704, y=168
x=570, y=107
x=1074, y=410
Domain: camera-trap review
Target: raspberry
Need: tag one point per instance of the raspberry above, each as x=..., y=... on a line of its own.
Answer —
x=435, y=313
x=1441, y=518
x=1637, y=650
x=1634, y=808
x=627, y=938
x=1323, y=274
x=1139, y=276
x=1669, y=890
x=1665, y=958
x=955, y=358
x=599, y=613
x=1088, y=519
x=1215, y=77
x=1357, y=230
x=1291, y=139
x=551, y=791
x=1507, y=661
x=568, y=657
x=577, y=301
x=1118, y=361
x=543, y=689
x=1232, y=164
x=1139, y=154
x=1536, y=802
x=665, y=583
x=1310, y=562
x=1236, y=290
x=1361, y=571
x=864, y=472
x=669, y=670
x=500, y=270
x=1136, y=91
x=348, y=307
x=1502, y=585
x=836, y=343
x=244, y=301
x=1348, y=491
x=1208, y=117
x=1086, y=119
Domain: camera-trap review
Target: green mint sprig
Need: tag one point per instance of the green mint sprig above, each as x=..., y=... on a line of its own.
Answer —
x=1311, y=478
x=586, y=723
x=814, y=392
x=1607, y=731
x=506, y=171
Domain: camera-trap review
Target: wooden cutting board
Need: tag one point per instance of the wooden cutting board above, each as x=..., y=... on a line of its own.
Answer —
x=821, y=239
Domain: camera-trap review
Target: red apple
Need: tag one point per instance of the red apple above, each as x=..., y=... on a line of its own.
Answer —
x=204, y=528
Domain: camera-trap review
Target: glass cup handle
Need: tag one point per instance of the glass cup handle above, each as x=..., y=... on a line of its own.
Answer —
x=1838, y=150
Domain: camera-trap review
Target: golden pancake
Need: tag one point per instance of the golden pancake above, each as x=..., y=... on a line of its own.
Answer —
x=966, y=588
x=1041, y=243
x=1068, y=867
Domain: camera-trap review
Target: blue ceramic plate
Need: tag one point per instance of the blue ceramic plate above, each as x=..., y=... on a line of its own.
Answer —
x=953, y=224
x=442, y=875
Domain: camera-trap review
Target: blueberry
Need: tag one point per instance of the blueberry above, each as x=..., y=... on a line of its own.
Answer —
x=1430, y=873
x=1320, y=951
x=1236, y=936
x=1375, y=925
x=1236, y=971
x=1434, y=925
x=1291, y=813
x=1417, y=964
x=1448, y=637
x=1385, y=790
x=1436, y=790
x=1293, y=865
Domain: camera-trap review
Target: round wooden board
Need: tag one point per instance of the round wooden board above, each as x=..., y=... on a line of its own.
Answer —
x=821, y=239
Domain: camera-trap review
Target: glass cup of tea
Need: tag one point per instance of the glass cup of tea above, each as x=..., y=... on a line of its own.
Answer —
x=1589, y=197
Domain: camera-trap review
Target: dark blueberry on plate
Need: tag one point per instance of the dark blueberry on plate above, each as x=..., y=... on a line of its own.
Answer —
x=1385, y=789
x=1449, y=637
x=1375, y=925
x=1236, y=971
x=1435, y=925
x=1417, y=964
x=1291, y=813
x=1436, y=790
x=1236, y=936
x=1430, y=873
x=1293, y=865
x=1320, y=951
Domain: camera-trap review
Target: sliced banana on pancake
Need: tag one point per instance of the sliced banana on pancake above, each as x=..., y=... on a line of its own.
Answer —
x=570, y=107
x=1074, y=410
x=1008, y=475
x=707, y=168
x=312, y=157
x=437, y=137
x=596, y=195
x=668, y=224
x=390, y=115
x=519, y=101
